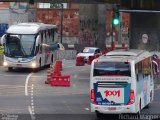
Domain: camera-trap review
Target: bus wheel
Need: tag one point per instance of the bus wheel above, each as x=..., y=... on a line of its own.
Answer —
x=147, y=106
x=52, y=59
x=99, y=115
x=139, y=112
x=10, y=68
x=40, y=65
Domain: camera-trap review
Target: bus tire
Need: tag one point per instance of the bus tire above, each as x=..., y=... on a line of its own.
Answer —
x=10, y=68
x=147, y=106
x=40, y=64
x=99, y=115
x=51, y=60
x=139, y=112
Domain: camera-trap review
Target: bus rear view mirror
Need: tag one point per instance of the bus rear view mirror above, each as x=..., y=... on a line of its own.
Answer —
x=3, y=39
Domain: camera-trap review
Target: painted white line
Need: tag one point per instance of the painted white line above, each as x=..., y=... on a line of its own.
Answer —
x=12, y=75
x=29, y=109
x=87, y=78
x=32, y=104
x=26, y=84
x=30, y=112
x=86, y=109
x=69, y=66
x=39, y=76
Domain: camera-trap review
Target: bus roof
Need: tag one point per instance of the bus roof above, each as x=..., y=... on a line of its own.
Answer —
x=29, y=28
x=126, y=52
x=123, y=55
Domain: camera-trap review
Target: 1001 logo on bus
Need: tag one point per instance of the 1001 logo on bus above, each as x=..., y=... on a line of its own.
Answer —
x=112, y=93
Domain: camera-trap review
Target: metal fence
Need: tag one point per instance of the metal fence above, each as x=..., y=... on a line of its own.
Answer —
x=66, y=54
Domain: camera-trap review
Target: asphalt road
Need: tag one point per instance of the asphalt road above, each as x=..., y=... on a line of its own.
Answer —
x=25, y=96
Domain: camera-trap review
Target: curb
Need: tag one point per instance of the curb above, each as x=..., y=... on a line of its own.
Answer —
x=157, y=86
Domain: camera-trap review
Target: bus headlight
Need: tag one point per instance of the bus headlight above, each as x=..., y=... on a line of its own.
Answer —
x=33, y=65
x=5, y=63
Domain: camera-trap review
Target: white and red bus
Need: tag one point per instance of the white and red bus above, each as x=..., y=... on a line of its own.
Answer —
x=121, y=82
x=29, y=45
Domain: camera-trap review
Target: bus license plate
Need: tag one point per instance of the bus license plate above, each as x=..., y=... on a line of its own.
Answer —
x=19, y=65
x=112, y=108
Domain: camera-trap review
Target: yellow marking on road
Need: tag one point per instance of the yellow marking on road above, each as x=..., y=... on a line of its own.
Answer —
x=12, y=109
x=12, y=89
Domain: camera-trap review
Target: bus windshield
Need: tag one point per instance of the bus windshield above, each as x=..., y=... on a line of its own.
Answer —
x=112, y=69
x=20, y=45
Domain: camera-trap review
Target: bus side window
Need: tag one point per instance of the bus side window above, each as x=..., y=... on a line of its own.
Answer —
x=49, y=36
x=53, y=32
x=136, y=72
x=41, y=33
x=45, y=34
x=40, y=46
x=43, y=37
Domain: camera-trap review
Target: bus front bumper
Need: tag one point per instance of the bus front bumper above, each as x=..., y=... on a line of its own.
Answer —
x=113, y=109
x=31, y=64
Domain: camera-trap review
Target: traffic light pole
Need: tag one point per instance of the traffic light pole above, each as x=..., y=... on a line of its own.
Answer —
x=61, y=21
x=112, y=42
x=115, y=22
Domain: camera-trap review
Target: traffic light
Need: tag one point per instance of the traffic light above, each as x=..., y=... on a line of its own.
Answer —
x=115, y=16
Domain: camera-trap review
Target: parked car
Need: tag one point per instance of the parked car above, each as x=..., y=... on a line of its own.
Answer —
x=89, y=51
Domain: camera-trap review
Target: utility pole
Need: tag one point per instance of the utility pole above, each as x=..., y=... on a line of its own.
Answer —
x=61, y=21
x=115, y=22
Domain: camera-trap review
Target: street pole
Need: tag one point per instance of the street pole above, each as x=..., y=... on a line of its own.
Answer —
x=113, y=41
x=61, y=21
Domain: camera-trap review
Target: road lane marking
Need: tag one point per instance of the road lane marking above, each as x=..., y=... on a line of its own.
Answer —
x=86, y=109
x=32, y=102
x=30, y=112
x=10, y=75
x=26, y=84
x=5, y=86
x=69, y=66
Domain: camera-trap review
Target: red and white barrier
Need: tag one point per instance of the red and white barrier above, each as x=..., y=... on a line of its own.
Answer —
x=54, y=76
x=80, y=61
x=60, y=80
x=90, y=59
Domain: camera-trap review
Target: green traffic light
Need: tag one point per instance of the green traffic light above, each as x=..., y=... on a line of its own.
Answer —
x=116, y=21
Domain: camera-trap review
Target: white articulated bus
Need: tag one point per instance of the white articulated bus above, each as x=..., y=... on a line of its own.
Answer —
x=29, y=45
x=121, y=82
